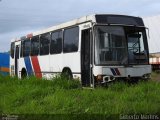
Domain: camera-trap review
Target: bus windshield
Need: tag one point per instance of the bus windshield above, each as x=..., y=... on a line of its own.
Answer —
x=116, y=45
x=110, y=45
x=137, y=45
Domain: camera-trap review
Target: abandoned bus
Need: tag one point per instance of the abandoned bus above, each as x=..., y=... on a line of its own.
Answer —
x=96, y=49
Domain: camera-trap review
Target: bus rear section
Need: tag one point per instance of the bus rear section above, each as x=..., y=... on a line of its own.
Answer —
x=14, y=58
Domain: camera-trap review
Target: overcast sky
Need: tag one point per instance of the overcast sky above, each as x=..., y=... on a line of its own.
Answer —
x=20, y=17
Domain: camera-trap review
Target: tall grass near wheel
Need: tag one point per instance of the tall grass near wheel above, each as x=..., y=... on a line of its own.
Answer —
x=62, y=96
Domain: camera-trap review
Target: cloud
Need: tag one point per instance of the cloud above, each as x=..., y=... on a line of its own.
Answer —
x=18, y=17
x=5, y=38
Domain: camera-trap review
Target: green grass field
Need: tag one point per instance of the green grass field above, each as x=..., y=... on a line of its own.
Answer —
x=60, y=96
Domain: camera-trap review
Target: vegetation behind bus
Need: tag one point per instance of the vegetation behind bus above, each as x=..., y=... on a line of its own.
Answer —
x=60, y=96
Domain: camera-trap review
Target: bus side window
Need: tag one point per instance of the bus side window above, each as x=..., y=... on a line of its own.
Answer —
x=71, y=40
x=21, y=52
x=35, y=46
x=56, y=42
x=12, y=49
x=44, y=44
x=26, y=47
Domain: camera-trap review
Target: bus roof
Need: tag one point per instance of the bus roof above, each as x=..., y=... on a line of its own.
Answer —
x=99, y=18
x=67, y=24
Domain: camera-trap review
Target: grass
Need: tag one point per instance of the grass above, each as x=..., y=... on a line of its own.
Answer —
x=59, y=96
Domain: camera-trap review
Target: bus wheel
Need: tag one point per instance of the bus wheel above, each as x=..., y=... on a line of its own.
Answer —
x=23, y=73
x=67, y=73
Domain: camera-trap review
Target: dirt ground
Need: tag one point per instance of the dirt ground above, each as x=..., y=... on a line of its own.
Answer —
x=155, y=76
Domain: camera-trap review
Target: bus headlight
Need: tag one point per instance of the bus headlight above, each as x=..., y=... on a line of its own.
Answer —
x=147, y=76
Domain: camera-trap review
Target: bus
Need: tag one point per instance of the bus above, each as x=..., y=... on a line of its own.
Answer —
x=96, y=49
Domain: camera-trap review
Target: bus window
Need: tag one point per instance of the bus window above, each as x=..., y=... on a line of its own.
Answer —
x=56, y=42
x=21, y=52
x=110, y=45
x=26, y=47
x=35, y=46
x=44, y=44
x=12, y=49
x=71, y=40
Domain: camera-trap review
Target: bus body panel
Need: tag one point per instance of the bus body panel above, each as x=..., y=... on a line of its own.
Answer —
x=121, y=71
x=72, y=61
x=55, y=62
x=21, y=66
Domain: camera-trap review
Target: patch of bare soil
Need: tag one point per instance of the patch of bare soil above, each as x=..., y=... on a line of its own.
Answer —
x=156, y=76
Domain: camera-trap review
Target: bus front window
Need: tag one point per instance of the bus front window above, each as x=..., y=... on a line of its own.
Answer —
x=137, y=52
x=110, y=45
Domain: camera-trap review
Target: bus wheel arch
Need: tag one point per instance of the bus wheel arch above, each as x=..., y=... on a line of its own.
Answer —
x=66, y=72
x=23, y=73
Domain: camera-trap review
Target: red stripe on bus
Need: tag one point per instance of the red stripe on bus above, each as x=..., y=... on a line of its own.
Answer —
x=117, y=71
x=36, y=66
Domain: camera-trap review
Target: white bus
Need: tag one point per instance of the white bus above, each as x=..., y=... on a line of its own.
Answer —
x=96, y=49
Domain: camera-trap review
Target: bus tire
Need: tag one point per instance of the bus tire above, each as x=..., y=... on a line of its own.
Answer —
x=23, y=73
x=67, y=73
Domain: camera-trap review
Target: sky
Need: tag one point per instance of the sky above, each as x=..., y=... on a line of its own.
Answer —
x=21, y=17
x=153, y=23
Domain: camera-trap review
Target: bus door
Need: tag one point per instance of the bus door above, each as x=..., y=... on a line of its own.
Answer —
x=16, y=59
x=86, y=57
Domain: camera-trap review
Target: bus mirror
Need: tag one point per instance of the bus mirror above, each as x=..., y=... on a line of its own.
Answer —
x=148, y=32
